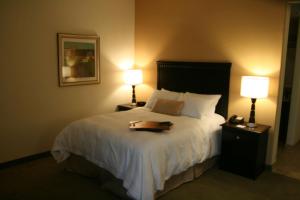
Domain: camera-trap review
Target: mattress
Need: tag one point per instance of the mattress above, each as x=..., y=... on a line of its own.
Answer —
x=142, y=160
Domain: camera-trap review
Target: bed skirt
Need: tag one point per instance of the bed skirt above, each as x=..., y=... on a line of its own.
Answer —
x=80, y=165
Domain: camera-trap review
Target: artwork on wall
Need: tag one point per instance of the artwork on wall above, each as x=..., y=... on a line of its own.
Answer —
x=78, y=59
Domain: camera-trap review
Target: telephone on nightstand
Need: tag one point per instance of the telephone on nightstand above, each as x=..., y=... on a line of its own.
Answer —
x=234, y=119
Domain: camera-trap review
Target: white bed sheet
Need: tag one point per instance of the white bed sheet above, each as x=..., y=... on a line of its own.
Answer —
x=143, y=160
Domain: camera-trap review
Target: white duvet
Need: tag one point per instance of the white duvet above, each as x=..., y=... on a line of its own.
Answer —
x=143, y=160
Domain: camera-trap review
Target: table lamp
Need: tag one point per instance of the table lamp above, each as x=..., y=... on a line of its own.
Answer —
x=254, y=87
x=133, y=77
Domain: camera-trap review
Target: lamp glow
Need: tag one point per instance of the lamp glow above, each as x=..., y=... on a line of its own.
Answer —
x=254, y=87
x=133, y=77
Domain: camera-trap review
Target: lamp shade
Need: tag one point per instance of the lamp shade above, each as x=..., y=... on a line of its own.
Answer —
x=133, y=77
x=255, y=86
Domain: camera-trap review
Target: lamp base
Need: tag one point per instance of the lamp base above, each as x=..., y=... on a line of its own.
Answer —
x=133, y=101
x=251, y=125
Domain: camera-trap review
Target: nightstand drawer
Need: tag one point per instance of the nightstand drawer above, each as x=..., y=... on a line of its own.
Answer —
x=238, y=144
x=243, y=150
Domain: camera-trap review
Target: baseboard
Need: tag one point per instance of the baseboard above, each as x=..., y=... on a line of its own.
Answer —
x=24, y=159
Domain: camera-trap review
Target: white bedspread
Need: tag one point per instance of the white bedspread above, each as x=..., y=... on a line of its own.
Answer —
x=143, y=160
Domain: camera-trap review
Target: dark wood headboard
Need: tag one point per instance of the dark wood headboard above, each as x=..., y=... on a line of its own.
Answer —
x=196, y=77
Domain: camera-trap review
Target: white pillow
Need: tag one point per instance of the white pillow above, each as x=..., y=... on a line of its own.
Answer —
x=199, y=105
x=162, y=94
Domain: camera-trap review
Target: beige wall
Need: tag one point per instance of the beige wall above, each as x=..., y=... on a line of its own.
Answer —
x=248, y=33
x=33, y=108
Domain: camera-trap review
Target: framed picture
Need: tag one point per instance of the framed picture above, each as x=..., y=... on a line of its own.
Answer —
x=78, y=59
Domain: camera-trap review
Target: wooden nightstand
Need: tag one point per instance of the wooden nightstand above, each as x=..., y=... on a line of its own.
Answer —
x=128, y=106
x=244, y=149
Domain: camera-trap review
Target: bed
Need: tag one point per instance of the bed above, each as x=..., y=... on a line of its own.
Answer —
x=145, y=165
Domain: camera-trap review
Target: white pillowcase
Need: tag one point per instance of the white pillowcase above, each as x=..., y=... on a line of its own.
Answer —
x=162, y=94
x=199, y=105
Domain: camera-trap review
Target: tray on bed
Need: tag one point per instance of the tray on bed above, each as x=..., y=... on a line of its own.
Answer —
x=154, y=126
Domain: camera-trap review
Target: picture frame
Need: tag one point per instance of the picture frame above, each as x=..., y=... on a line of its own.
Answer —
x=78, y=59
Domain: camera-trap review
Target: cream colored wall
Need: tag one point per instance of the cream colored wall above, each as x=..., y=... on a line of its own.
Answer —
x=248, y=33
x=33, y=108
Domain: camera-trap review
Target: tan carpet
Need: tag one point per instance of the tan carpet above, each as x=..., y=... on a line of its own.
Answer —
x=44, y=179
x=288, y=161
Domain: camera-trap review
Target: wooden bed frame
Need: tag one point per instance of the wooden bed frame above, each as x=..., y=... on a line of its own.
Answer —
x=196, y=77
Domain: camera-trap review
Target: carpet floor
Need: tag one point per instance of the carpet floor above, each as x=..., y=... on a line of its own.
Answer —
x=44, y=179
x=288, y=161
